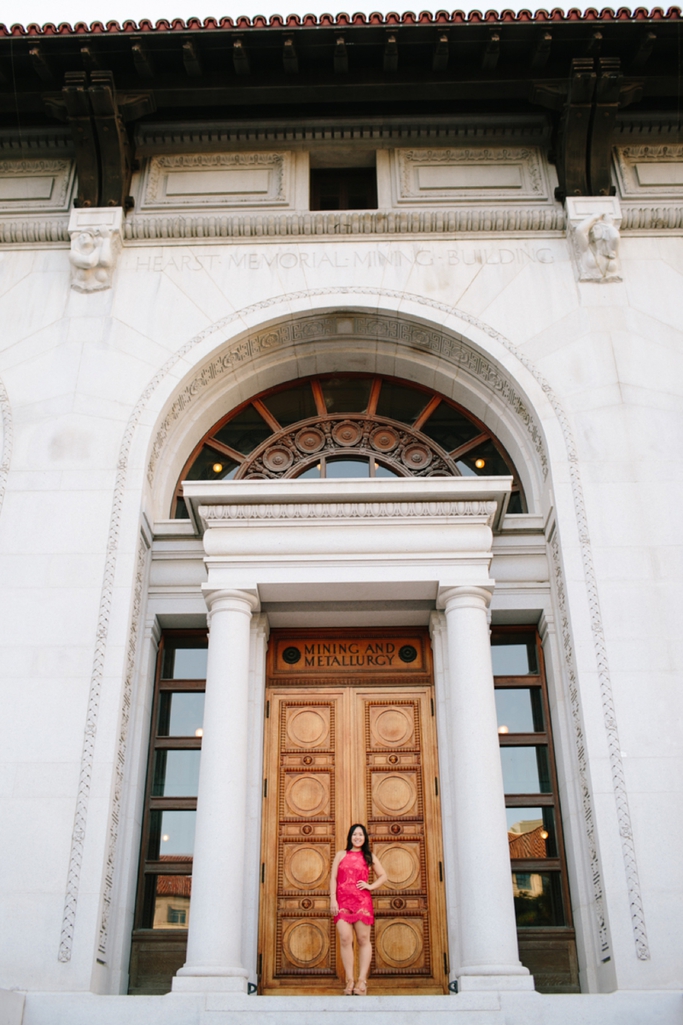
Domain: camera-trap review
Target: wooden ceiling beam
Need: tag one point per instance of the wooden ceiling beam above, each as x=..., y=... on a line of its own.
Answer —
x=191, y=59
x=441, y=53
x=341, y=56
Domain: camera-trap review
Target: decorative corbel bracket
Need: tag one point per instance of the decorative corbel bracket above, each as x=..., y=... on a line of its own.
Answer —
x=95, y=244
x=588, y=105
x=593, y=224
x=96, y=116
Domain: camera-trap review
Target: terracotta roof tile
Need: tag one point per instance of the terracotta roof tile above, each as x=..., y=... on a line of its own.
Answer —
x=441, y=17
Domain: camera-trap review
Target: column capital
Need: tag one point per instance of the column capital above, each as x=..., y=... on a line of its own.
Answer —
x=230, y=599
x=464, y=596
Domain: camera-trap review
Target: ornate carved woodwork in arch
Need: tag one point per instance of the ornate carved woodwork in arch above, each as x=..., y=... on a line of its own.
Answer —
x=350, y=425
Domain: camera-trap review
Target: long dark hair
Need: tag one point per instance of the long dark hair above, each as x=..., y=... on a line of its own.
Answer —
x=367, y=853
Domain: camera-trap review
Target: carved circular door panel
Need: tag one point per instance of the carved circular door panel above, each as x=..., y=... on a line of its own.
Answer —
x=399, y=942
x=393, y=726
x=306, y=866
x=306, y=943
x=402, y=865
x=394, y=794
x=308, y=727
x=307, y=794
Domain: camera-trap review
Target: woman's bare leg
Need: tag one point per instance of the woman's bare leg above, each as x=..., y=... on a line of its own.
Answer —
x=364, y=950
x=345, y=932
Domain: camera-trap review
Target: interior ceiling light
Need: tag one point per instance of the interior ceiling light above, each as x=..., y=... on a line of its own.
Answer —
x=217, y=467
x=503, y=729
x=480, y=463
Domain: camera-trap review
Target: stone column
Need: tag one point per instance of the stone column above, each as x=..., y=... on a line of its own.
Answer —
x=487, y=929
x=214, y=947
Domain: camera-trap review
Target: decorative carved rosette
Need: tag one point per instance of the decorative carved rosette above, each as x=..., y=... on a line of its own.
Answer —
x=347, y=434
x=278, y=458
x=309, y=440
x=384, y=439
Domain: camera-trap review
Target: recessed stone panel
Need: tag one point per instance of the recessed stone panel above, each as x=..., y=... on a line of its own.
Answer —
x=649, y=172
x=221, y=180
x=34, y=185
x=469, y=174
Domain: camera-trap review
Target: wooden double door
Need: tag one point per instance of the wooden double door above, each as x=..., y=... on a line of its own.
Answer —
x=351, y=737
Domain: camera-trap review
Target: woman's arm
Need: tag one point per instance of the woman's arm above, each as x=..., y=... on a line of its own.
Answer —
x=334, y=907
x=380, y=876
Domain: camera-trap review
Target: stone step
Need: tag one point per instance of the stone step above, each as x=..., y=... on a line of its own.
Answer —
x=494, y=1008
x=463, y=1008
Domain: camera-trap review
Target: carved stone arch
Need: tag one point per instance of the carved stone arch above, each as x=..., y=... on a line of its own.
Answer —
x=342, y=340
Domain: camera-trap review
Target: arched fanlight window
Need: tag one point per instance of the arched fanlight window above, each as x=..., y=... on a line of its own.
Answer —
x=348, y=425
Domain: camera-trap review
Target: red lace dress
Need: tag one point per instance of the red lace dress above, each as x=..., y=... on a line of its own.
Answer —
x=354, y=905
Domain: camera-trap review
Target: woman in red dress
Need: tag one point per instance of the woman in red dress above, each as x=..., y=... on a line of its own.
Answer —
x=351, y=903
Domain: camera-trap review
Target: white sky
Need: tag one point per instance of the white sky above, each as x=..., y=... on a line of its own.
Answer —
x=26, y=11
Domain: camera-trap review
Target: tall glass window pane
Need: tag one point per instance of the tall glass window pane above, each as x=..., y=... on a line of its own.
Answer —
x=167, y=902
x=538, y=899
x=346, y=394
x=531, y=832
x=520, y=710
x=512, y=657
x=348, y=468
x=288, y=407
x=449, y=428
x=171, y=834
x=525, y=770
x=245, y=431
x=176, y=773
x=181, y=713
x=399, y=402
x=185, y=663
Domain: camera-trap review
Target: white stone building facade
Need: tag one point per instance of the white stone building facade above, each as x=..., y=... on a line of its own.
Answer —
x=124, y=346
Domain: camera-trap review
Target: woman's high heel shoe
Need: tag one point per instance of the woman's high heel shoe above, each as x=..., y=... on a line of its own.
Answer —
x=349, y=990
x=361, y=988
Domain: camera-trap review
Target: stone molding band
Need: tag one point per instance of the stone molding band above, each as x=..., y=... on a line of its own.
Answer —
x=345, y=510
x=204, y=227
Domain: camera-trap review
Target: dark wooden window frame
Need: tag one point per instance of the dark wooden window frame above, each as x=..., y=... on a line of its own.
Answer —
x=538, y=936
x=170, y=944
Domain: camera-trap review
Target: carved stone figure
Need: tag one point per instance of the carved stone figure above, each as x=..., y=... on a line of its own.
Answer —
x=95, y=244
x=596, y=242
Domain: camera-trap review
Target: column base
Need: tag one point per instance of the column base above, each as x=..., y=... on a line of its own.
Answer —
x=490, y=983
x=209, y=980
